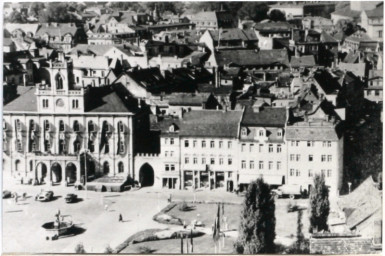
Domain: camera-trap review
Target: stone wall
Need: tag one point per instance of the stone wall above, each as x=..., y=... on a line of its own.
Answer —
x=341, y=245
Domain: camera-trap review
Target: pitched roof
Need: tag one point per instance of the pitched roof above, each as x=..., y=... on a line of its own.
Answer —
x=326, y=81
x=57, y=29
x=32, y=28
x=87, y=49
x=361, y=203
x=233, y=34
x=25, y=101
x=91, y=62
x=378, y=12
x=271, y=117
x=326, y=38
x=210, y=123
x=359, y=36
x=303, y=61
x=312, y=133
x=106, y=99
x=246, y=57
x=187, y=99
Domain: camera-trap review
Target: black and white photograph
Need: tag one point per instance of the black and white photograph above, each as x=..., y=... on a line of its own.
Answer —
x=192, y=127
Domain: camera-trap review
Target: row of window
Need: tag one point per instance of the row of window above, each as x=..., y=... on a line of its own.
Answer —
x=261, y=165
x=325, y=144
x=297, y=172
x=169, y=167
x=260, y=148
x=261, y=133
x=211, y=160
x=75, y=103
x=203, y=144
x=324, y=158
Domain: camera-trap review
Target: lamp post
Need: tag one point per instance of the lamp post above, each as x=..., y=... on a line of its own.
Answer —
x=85, y=171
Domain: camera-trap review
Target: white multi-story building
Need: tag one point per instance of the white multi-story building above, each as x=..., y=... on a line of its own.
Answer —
x=50, y=131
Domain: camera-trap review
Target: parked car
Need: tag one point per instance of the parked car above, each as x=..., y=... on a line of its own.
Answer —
x=70, y=198
x=44, y=196
x=7, y=194
x=287, y=190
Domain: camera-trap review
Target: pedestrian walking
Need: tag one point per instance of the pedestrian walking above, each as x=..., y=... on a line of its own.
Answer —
x=120, y=218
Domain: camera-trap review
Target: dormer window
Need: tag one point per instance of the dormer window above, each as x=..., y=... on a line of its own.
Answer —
x=279, y=133
x=244, y=131
x=261, y=133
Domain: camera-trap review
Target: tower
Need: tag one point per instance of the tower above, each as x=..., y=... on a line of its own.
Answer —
x=59, y=96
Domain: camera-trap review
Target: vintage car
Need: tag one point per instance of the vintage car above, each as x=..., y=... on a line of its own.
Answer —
x=70, y=198
x=44, y=196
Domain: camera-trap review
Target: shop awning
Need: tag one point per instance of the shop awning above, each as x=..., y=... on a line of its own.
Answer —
x=269, y=179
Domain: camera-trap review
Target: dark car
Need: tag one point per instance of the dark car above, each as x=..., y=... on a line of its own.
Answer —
x=45, y=196
x=7, y=194
x=70, y=198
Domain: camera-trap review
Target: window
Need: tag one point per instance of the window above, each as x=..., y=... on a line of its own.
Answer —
x=45, y=103
x=61, y=126
x=298, y=157
x=261, y=133
x=75, y=104
x=244, y=131
x=186, y=143
x=212, y=161
x=260, y=148
x=167, y=167
x=212, y=144
x=91, y=146
x=195, y=160
x=229, y=144
x=121, y=147
x=297, y=172
x=186, y=160
x=310, y=174
x=76, y=146
x=172, y=141
x=251, y=147
x=220, y=161
x=172, y=167
x=194, y=143
x=91, y=126
x=34, y=148
x=329, y=144
x=46, y=125
x=243, y=147
x=271, y=148
x=203, y=160
x=203, y=143
x=76, y=126
x=279, y=148
x=243, y=164
x=221, y=144
x=251, y=164
x=310, y=158
x=279, y=133
x=329, y=173
x=291, y=172
x=310, y=143
x=292, y=156
x=270, y=165
x=278, y=165
x=166, y=153
x=171, y=153
x=260, y=165
x=329, y=158
x=323, y=158
x=230, y=161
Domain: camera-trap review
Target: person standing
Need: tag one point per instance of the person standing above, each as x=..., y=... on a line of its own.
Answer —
x=120, y=218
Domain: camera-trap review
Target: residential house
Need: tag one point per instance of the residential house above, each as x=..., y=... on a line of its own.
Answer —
x=373, y=21
x=213, y=20
x=360, y=41
x=374, y=89
x=267, y=32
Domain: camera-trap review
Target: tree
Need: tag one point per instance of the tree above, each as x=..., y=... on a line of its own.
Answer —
x=277, y=15
x=255, y=11
x=348, y=27
x=55, y=12
x=257, y=227
x=17, y=17
x=319, y=204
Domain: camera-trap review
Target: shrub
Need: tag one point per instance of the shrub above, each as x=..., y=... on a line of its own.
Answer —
x=79, y=248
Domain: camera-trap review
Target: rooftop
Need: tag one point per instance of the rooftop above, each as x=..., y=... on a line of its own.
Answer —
x=270, y=117
x=210, y=123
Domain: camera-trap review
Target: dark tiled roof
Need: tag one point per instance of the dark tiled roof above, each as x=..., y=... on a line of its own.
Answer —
x=164, y=124
x=106, y=99
x=60, y=30
x=210, y=123
x=25, y=101
x=303, y=61
x=247, y=57
x=270, y=117
x=186, y=99
x=326, y=81
x=312, y=133
x=233, y=34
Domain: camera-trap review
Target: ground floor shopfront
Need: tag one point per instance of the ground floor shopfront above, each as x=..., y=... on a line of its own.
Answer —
x=204, y=179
